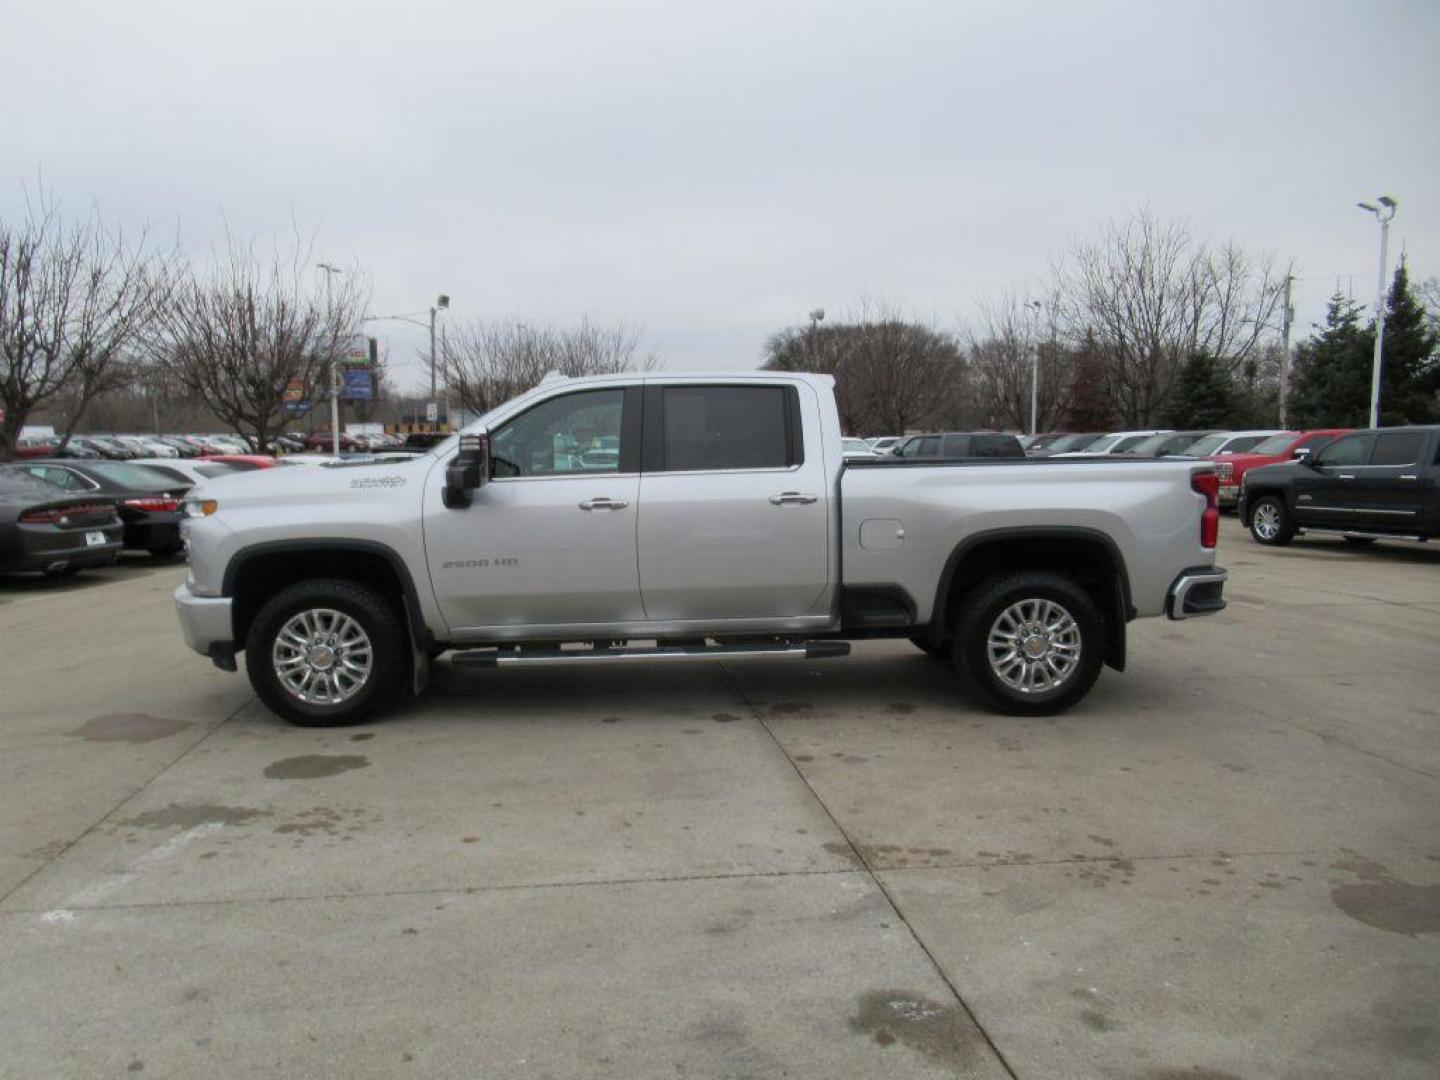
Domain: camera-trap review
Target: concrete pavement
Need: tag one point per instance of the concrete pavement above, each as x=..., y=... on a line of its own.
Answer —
x=1223, y=864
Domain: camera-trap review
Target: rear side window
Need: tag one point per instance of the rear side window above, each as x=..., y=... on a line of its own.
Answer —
x=1397, y=448
x=997, y=446
x=729, y=427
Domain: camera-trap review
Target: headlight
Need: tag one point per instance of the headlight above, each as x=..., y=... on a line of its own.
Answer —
x=200, y=507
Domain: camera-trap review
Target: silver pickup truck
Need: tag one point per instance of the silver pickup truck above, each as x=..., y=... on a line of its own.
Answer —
x=674, y=516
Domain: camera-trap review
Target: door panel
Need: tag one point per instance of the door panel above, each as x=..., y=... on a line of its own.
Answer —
x=525, y=553
x=1390, y=493
x=733, y=543
x=550, y=539
x=1327, y=493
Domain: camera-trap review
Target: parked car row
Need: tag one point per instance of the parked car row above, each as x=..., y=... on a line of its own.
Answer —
x=129, y=447
x=936, y=446
x=60, y=515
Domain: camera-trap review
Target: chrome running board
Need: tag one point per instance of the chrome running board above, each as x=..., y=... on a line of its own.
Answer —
x=805, y=650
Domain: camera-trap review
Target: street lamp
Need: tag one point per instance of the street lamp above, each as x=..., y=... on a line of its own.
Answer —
x=1035, y=375
x=330, y=271
x=442, y=303
x=817, y=316
x=1383, y=213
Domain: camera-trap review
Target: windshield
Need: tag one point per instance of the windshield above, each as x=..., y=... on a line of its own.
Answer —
x=1148, y=445
x=133, y=476
x=1276, y=444
x=1103, y=445
x=1070, y=442
x=1209, y=445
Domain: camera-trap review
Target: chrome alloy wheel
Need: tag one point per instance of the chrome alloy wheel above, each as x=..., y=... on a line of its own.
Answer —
x=1266, y=521
x=322, y=656
x=1034, y=646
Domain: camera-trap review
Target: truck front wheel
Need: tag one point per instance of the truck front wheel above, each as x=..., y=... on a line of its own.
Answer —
x=1031, y=643
x=1270, y=522
x=326, y=652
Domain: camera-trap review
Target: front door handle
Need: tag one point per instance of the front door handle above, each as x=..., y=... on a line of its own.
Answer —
x=1347, y=476
x=795, y=497
x=602, y=503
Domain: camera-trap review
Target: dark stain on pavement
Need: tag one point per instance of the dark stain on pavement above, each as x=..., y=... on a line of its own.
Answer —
x=364, y=736
x=1385, y=902
x=942, y=1032
x=314, y=766
x=724, y=718
x=900, y=708
x=1097, y=1021
x=189, y=815
x=129, y=728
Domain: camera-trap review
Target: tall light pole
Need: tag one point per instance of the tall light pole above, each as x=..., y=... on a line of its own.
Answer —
x=442, y=302
x=1383, y=213
x=330, y=271
x=816, y=316
x=1035, y=375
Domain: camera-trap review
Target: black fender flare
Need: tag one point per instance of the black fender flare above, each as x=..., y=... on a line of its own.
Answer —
x=1119, y=608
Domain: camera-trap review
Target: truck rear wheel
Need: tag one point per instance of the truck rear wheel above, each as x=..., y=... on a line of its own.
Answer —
x=1031, y=643
x=326, y=652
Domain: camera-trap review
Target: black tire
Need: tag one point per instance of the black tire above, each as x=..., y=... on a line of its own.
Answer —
x=377, y=617
x=979, y=613
x=929, y=648
x=1360, y=541
x=1270, y=521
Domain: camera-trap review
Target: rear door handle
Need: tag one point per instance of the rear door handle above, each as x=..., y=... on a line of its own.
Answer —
x=1347, y=476
x=602, y=503
x=796, y=497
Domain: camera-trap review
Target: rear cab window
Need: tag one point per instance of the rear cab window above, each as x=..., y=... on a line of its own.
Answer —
x=705, y=428
x=1398, y=448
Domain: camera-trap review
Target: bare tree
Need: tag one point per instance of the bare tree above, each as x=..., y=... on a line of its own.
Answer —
x=1016, y=334
x=487, y=363
x=237, y=335
x=891, y=374
x=1152, y=296
x=73, y=302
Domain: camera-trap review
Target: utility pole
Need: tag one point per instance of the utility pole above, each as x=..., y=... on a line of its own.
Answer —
x=1383, y=213
x=1287, y=314
x=1035, y=376
x=330, y=271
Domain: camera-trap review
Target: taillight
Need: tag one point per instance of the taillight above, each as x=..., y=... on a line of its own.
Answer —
x=1226, y=470
x=64, y=515
x=1208, y=484
x=154, y=504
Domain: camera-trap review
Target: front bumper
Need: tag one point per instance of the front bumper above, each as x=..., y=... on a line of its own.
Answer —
x=1197, y=591
x=1229, y=495
x=205, y=622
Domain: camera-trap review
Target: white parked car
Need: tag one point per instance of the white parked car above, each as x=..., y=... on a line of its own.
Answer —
x=856, y=448
x=1223, y=443
x=1117, y=442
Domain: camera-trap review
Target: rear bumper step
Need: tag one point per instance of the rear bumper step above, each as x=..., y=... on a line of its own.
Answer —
x=806, y=650
x=1197, y=591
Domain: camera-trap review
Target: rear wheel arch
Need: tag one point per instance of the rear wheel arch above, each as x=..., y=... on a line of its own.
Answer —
x=1087, y=556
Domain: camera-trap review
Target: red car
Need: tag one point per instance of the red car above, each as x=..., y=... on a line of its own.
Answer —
x=244, y=462
x=324, y=442
x=1282, y=447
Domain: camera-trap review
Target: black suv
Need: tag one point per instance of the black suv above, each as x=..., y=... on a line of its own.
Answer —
x=1366, y=485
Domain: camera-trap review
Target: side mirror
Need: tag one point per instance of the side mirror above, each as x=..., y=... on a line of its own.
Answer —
x=469, y=470
x=1304, y=455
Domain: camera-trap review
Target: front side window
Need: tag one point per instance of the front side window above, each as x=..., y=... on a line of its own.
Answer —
x=1397, y=448
x=1349, y=450
x=565, y=436
x=728, y=427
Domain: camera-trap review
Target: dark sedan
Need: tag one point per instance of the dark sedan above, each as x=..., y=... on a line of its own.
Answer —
x=148, y=501
x=44, y=530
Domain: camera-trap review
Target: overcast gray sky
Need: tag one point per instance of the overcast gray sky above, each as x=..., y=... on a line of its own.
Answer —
x=709, y=172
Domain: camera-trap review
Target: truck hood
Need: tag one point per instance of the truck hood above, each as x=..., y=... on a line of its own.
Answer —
x=314, y=483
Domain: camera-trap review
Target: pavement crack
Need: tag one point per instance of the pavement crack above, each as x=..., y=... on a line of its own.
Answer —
x=874, y=877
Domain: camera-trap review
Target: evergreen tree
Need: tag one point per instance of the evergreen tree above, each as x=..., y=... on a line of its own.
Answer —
x=1089, y=404
x=1203, y=396
x=1330, y=382
x=1410, y=369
